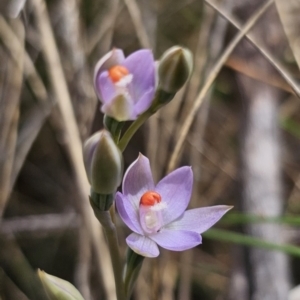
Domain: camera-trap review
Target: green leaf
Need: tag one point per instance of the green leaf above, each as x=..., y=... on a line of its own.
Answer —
x=291, y=127
x=247, y=240
x=241, y=218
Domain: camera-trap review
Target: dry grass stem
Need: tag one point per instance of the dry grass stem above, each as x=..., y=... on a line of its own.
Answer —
x=73, y=142
x=210, y=79
x=9, y=115
x=30, y=129
x=261, y=48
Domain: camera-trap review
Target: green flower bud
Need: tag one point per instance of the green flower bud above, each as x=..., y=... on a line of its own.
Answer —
x=103, y=162
x=175, y=67
x=58, y=289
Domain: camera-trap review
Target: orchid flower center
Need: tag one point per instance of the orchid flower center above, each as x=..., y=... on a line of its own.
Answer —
x=121, y=78
x=150, y=198
x=150, y=211
x=116, y=73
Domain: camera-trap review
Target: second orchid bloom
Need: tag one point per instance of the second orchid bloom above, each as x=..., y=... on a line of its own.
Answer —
x=156, y=213
x=125, y=86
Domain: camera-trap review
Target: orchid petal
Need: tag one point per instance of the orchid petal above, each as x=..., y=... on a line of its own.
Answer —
x=145, y=102
x=142, y=66
x=128, y=213
x=142, y=245
x=112, y=58
x=105, y=87
x=175, y=190
x=199, y=219
x=138, y=180
x=176, y=240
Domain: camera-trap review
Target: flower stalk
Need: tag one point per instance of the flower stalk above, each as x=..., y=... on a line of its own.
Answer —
x=132, y=269
x=110, y=231
x=114, y=127
x=161, y=99
x=103, y=201
x=133, y=129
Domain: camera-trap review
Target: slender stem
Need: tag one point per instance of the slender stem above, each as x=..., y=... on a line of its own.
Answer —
x=133, y=129
x=110, y=232
x=161, y=98
x=132, y=268
x=113, y=245
x=114, y=126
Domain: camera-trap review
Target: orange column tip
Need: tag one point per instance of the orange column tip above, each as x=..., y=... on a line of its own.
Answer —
x=117, y=72
x=150, y=198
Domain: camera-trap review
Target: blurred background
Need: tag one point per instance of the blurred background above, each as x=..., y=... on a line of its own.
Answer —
x=236, y=123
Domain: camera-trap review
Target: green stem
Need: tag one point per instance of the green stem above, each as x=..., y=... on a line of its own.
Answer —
x=133, y=129
x=161, y=98
x=110, y=231
x=132, y=268
x=114, y=126
x=102, y=201
x=113, y=245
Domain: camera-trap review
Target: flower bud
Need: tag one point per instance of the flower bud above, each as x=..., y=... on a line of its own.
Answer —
x=57, y=288
x=103, y=162
x=174, y=68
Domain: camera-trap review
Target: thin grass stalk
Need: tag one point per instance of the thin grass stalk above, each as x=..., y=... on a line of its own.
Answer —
x=210, y=79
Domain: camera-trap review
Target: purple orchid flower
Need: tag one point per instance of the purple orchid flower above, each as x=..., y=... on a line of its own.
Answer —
x=156, y=213
x=125, y=86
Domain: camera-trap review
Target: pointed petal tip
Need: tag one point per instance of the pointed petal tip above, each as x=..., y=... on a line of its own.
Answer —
x=142, y=156
x=227, y=207
x=138, y=179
